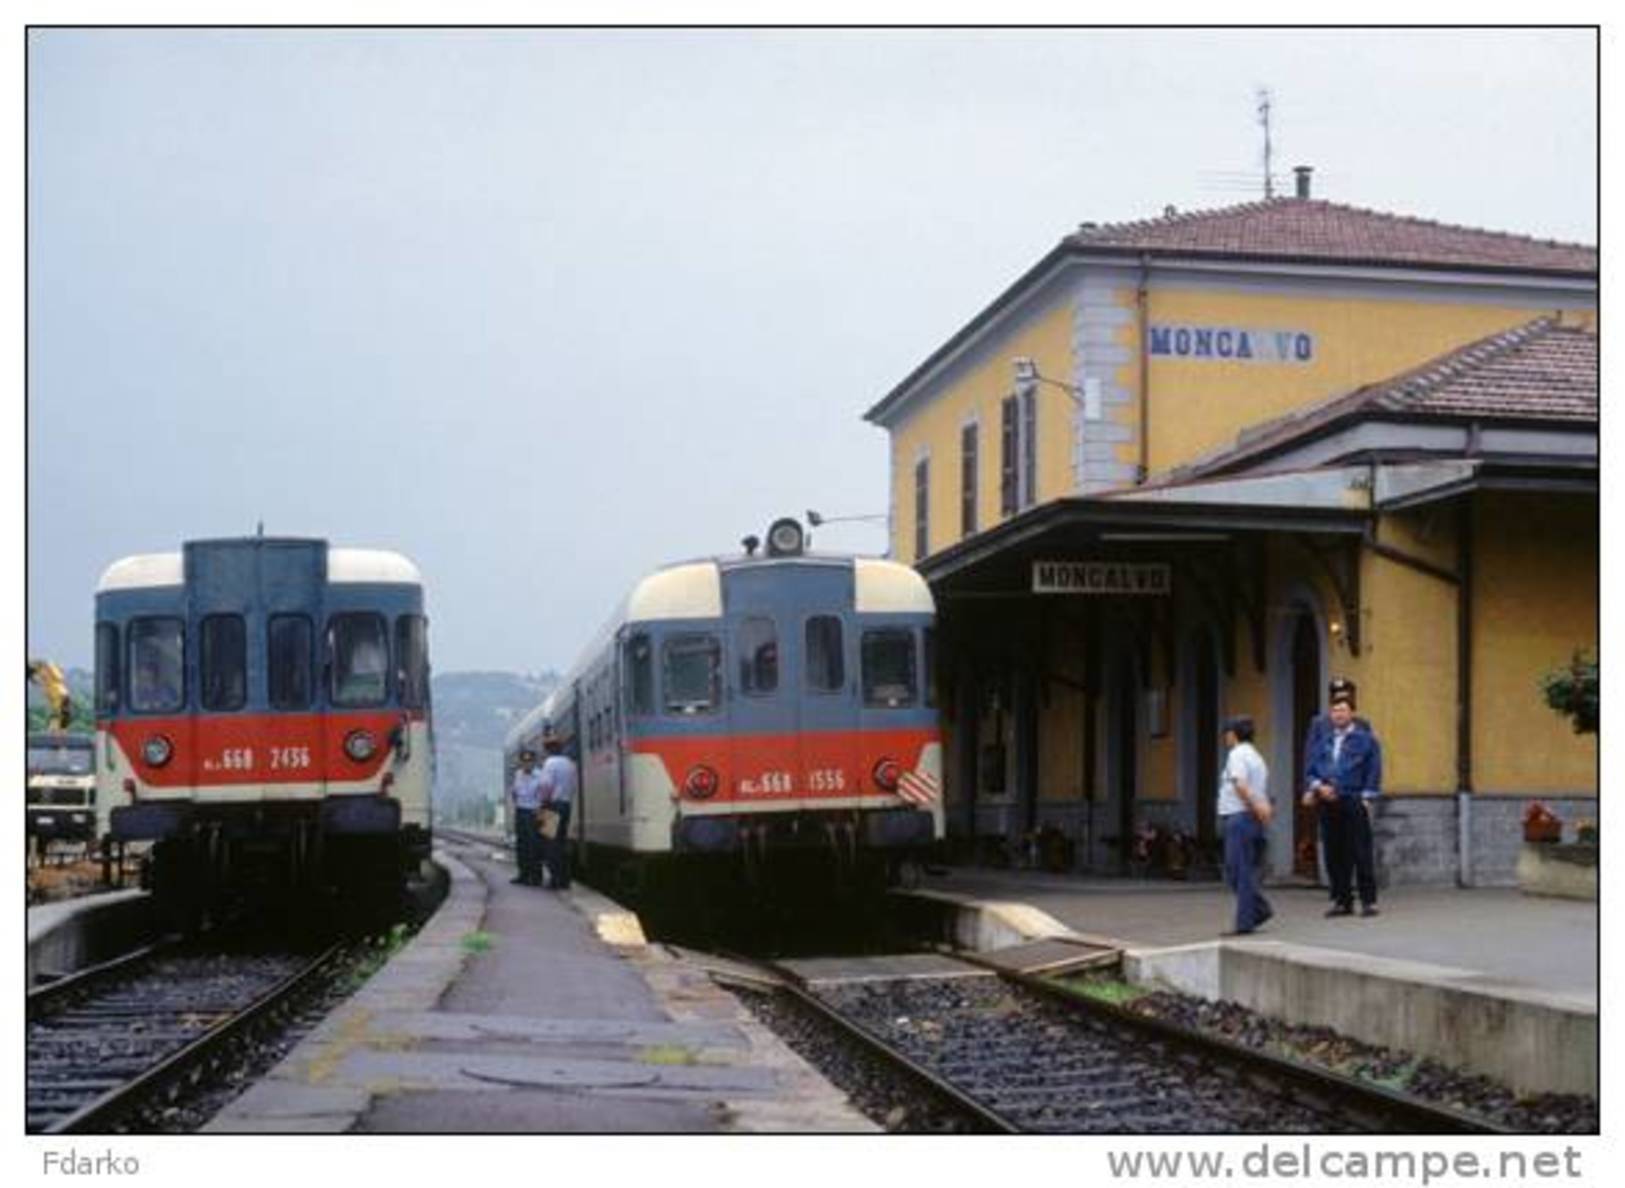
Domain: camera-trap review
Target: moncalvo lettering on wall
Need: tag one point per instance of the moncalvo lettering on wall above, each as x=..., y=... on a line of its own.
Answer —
x=1248, y=344
x=1101, y=577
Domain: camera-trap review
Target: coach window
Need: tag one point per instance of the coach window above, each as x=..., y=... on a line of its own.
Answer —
x=638, y=657
x=825, y=652
x=758, y=656
x=157, y=665
x=692, y=665
x=223, y=662
x=107, y=669
x=412, y=654
x=358, y=652
x=888, y=667
x=287, y=661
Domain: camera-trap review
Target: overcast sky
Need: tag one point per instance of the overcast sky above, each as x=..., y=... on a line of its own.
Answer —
x=545, y=309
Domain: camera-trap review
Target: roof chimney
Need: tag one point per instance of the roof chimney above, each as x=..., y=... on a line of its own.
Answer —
x=1303, y=172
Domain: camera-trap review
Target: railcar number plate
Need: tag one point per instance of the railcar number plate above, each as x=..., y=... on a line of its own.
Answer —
x=290, y=757
x=768, y=783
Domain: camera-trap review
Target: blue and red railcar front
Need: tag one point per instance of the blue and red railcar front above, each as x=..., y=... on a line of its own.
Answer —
x=263, y=717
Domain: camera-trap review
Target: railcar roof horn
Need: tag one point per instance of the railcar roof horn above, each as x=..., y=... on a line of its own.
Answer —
x=785, y=538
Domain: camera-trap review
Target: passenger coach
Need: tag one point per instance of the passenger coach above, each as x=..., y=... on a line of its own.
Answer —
x=262, y=716
x=754, y=706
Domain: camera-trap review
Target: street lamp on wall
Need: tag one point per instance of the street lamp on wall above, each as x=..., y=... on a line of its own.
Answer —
x=1087, y=397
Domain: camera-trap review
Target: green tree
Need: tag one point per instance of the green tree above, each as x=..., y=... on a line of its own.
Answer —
x=1572, y=691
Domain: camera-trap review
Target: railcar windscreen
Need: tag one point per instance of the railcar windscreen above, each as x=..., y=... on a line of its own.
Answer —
x=758, y=656
x=888, y=667
x=693, y=671
x=825, y=652
x=359, y=650
x=108, y=669
x=412, y=648
x=157, y=665
x=640, y=675
x=223, y=661
x=288, y=641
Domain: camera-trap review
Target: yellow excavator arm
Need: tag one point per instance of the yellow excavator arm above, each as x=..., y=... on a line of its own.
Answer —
x=55, y=687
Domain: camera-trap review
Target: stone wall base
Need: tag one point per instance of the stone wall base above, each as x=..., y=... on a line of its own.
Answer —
x=1417, y=838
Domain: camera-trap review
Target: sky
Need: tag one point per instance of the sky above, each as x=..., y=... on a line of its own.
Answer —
x=545, y=309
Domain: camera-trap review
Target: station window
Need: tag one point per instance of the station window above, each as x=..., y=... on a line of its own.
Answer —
x=826, y=656
x=922, y=508
x=888, y=667
x=692, y=665
x=157, y=665
x=287, y=661
x=412, y=653
x=967, y=478
x=223, y=662
x=107, y=669
x=758, y=642
x=358, y=653
x=638, y=657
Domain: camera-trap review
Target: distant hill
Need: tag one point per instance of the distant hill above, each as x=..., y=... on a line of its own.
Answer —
x=473, y=712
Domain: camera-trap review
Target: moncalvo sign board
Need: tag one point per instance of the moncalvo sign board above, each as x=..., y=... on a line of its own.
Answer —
x=1102, y=577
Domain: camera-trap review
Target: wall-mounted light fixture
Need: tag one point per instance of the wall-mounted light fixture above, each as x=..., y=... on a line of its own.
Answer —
x=1087, y=397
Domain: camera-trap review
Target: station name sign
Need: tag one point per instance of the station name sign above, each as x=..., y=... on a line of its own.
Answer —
x=1244, y=344
x=1101, y=577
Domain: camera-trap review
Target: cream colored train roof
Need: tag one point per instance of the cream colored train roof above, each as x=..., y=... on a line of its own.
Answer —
x=344, y=566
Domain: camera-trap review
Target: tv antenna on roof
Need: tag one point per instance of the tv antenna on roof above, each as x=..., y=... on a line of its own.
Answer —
x=1264, y=104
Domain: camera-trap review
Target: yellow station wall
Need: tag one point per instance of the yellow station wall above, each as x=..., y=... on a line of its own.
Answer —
x=1535, y=592
x=935, y=426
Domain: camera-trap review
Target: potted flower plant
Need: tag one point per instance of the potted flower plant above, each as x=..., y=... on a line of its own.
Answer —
x=1540, y=824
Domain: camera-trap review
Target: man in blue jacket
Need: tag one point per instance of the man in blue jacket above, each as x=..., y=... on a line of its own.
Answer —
x=1343, y=777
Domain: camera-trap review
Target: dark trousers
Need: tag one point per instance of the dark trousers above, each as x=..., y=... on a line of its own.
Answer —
x=527, y=844
x=1243, y=851
x=556, y=849
x=1345, y=831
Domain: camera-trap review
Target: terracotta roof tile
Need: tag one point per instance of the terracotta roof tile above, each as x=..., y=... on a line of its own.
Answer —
x=1538, y=371
x=1313, y=229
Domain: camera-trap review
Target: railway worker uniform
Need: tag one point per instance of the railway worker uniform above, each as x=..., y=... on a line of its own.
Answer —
x=1343, y=773
x=527, y=800
x=559, y=782
x=1244, y=811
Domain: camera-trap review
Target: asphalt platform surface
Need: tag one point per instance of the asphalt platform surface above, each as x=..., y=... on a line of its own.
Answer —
x=1540, y=941
x=522, y=1010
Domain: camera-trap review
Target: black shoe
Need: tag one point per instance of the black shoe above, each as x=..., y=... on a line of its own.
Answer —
x=1269, y=914
x=1238, y=932
x=1369, y=909
x=1341, y=909
x=519, y=879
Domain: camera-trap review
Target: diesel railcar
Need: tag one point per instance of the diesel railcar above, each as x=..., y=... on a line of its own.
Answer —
x=752, y=708
x=263, y=718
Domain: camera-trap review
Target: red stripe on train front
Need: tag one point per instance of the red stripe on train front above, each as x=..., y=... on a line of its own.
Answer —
x=233, y=749
x=788, y=767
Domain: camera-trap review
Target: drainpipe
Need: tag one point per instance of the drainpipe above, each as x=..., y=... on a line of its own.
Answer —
x=1142, y=303
x=1464, y=692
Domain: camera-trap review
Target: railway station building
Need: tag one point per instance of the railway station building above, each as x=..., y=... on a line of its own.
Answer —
x=1199, y=465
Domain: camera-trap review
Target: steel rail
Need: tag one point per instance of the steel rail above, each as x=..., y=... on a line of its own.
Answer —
x=1328, y=1090
x=87, y=1117
x=46, y=993
x=987, y=1117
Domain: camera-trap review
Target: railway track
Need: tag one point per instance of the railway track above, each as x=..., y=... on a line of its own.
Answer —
x=1015, y=1053
x=103, y=1040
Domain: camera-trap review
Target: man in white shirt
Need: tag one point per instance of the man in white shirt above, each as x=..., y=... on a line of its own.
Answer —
x=1244, y=812
x=526, y=792
x=559, y=781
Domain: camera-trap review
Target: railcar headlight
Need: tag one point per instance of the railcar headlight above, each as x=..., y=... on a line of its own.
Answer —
x=785, y=538
x=360, y=745
x=887, y=775
x=157, y=750
x=701, y=783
